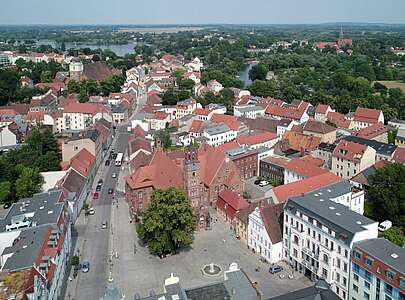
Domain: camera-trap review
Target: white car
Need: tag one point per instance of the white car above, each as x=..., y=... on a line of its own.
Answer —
x=263, y=183
x=91, y=211
x=114, y=175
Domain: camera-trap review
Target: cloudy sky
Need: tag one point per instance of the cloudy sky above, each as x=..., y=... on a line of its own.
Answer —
x=200, y=12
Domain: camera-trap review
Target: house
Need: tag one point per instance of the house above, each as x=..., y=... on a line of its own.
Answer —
x=281, y=193
x=364, y=117
x=185, y=107
x=377, y=132
x=265, y=233
x=194, y=76
x=319, y=291
x=202, y=174
x=119, y=113
x=324, y=152
x=400, y=138
x=249, y=111
x=79, y=116
x=231, y=121
x=203, y=114
x=299, y=142
x=195, y=129
x=218, y=134
x=200, y=90
x=83, y=163
x=242, y=222
x=105, y=130
x=284, y=125
x=321, y=111
x=7, y=137
x=326, y=132
x=399, y=155
x=272, y=168
x=138, y=144
x=378, y=270
x=339, y=120
x=296, y=111
x=158, y=120
x=300, y=168
x=245, y=159
x=214, y=86
x=258, y=140
x=229, y=204
x=362, y=179
x=319, y=235
x=396, y=124
x=350, y=158
x=383, y=151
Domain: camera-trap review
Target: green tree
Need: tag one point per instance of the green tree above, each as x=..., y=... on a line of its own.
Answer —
x=387, y=194
x=258, y=72
x=73, y=86
x=164, y=137
x=168, y=223
x=46, y=76
x=395, y=235
x=5, y=190
x=28, y=183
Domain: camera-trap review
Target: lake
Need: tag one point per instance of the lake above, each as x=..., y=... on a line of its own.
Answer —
x=244, y=75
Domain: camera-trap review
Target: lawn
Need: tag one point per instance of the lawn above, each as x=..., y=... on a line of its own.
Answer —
x=393, y=84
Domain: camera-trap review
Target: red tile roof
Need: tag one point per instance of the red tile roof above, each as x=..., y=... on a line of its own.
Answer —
x=299, y=141
x=231, y=121
x=82, y=162
x=257, y=138
x=196, y=126
x=139, y=143
x=318, y=127
x=399, y=155
x=338, y=119
x=307, y=166
x=277, y=160
x=349, y=151
x=272, y=217
x=366, y=115
x=283, y=192
x=87, y=108
x=234, y=200
x=228, y=146
x=161, y=115
x=293, y=111
x=201, y=111
x=321, y=108
x=372, y=131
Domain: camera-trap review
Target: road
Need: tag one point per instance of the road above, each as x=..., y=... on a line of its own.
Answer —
x=93, y=242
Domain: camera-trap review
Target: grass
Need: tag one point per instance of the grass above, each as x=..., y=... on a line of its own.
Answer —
x=393, y=84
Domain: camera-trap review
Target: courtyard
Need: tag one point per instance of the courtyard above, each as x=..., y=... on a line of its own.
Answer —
x=142, y=272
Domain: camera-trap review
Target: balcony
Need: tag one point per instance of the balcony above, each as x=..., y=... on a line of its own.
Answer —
x=310, y=253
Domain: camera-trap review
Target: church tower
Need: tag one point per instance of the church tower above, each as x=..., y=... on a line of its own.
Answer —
x=194, y=187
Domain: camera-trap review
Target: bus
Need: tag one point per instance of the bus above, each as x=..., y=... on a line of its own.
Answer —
x=118, y=159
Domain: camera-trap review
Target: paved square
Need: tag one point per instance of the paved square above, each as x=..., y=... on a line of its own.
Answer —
x=142, y=272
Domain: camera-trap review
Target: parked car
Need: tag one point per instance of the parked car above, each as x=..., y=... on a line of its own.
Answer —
x=263, y=183
x=114, y=156
x=385, y=225
x=275, y=269
x=110, y=191
x=100, y=182
x=6, y=205
x=85, y=266
x=114, y=175
x=104, y=225
x=91, y=211
x=107, y=162
x=98, y=188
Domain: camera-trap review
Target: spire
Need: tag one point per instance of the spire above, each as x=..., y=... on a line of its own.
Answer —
x=341, y=32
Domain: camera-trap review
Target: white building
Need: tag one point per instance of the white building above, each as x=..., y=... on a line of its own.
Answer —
x=265, y=232
x=219, y=134
x=186, y=107
x=249, y=111
x=318, y=237
x=285, y=125
x=7, y=137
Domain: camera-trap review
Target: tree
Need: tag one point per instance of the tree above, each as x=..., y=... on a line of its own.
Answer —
x=5, y=190
x=387, y=194
x=164, y=137
x=73, y=86
x=168, y=223
x=395, y=235
x=28, y=183
x=46, y=76
x=258, y=72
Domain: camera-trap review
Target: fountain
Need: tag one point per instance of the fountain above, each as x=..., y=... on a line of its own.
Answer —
x=211, y=270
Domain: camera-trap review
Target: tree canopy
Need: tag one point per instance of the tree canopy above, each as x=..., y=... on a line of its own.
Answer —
x=395, y=235
x=387, y=194
x=168, y=223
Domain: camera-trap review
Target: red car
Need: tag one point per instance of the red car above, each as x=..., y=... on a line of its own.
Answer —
x=95, y=195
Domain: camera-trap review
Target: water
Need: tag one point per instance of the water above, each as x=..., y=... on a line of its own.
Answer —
x=120, y=50
x=244, y=75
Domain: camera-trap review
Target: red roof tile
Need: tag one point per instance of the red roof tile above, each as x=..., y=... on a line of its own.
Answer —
x=272, y=217
x=321, y=108
x=299, y=141
x=258, y=138
x=307, y=166
x=318, y=127
x=372, y=131
x=82, y=162
x=234, y=200
x=338, y=119
x=89, y=108
x=349, y=150
x=231, y=121
x=196, y=126
x=399, y=155
x=367, y=115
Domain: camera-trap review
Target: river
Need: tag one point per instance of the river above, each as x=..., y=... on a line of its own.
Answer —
x=244, y=74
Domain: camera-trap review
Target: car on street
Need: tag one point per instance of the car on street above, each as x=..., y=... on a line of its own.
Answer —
x=114, y=156
x=85, y=266
x=6, y=205
x=95, y=195
x=100, y=182
x=114, y=175
x=104, y=225
x=263, y=183
x=98, y=188
x=107, y=162
x=110, y=191
x=91, y=211
x=275, y=269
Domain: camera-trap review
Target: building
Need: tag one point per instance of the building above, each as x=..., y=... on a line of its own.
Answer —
x=324, y=152
x=219, y=134
x=362, y=179
x=326, y=132
x=350, y=158
x=249, y=111
x=265, y=232
x=185, y=107
x=364, y=117
x=273, y=167
x=319, y=235
x=229, y=204
x=258, y=140
x=377, y=132
x=246, y=160
x=320, y=291
x=119, y=114
x=400, y=138
x=158, y=121
x=242, y=222
x=301, y=168
x=383, y=151
x=396, y=124
x=214, y=86
x=7, y=137
x=296, y=111
x=377, y=270
x=321, y=111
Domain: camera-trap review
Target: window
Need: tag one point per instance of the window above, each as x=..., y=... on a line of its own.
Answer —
x=324, y=272
x=368, y=261
x=368, y=275
x=357, y=255
x=367, y=285
x=356, y=277
x=355, y=288
x=390, y=275
x=356, y=268
x=388, y=289
x=378, y=270
x=366, y=296
x=402, y=283
x=345, y=267
x=326, y=259
x=344, y=281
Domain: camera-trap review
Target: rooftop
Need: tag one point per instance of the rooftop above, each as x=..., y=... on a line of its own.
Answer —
x=218, y=129
x=380, y=148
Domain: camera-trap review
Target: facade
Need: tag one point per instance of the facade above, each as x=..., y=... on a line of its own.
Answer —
x=219, y=134
x=324, y=152
x=318, y=238
x=326, y=132
x=250, y=111
x=301, y=168
x=185, y=107
x=272, y=167
x=265, y=232
x=349, y=159
x=158, y=120
x=229, y=204
x=377, y=270
x=383, y=151
x=246, y=160
x=7, y=137
x=400, y=138
x=321, y=112
x=377, y=132
x=364, y=117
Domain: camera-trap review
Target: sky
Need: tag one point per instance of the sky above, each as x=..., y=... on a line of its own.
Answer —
x=200, y=12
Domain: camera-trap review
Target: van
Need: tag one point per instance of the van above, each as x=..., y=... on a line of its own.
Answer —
x=385, y=225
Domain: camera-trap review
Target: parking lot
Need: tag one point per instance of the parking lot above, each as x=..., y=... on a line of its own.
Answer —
x=141, y=272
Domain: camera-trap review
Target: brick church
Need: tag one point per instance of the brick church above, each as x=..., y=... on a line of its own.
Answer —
x=202, y=173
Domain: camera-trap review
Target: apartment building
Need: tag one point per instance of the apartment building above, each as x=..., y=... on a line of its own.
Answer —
x=318, y=236
x=185, y=107
x=219, y=134
x=377, y=271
